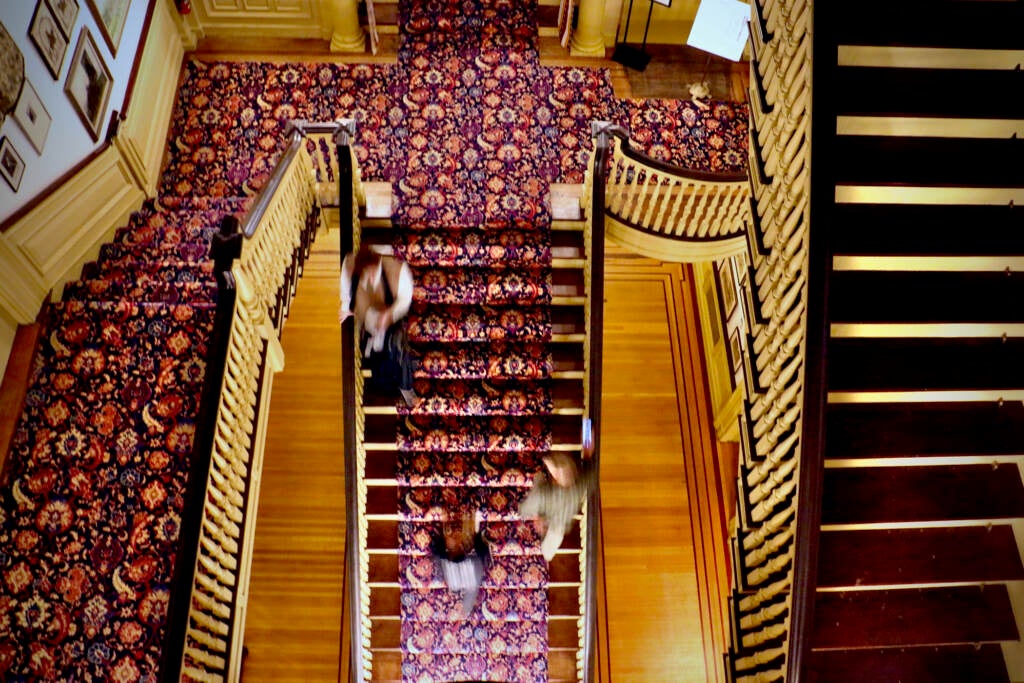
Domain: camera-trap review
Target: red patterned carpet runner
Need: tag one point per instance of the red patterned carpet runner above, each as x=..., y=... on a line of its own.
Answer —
x=470, y=130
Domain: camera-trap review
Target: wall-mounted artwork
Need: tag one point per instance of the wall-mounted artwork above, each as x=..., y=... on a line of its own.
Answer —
x=32, y=116
x=65, y=12
x=12, y=72
x=89, y=83
x=12, y=168
x=45, y=34
x=111, y=16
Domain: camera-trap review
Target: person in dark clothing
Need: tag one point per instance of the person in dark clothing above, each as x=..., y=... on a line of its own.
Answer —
x=462, y=556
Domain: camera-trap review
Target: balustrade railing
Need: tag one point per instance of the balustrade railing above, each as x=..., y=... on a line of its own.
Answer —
x=258, y=263
x=666, y=211
x=766, y=619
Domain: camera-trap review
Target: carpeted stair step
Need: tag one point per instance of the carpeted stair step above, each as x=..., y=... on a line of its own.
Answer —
x=527, y=571
x=928, y=229
x=925, y=364
x=557, y=432
x=458, y=323
x=881, y=495
x=905, y=617
x=237, y=206
x=871, y=91
x=386, y=633
x=160, y=251
x=475, y=468
x=434, y=502
x=484, y=397
x=166, y=271
x=497, y=360
x=921, y=23
x=389, y=667
x=925, y=297
x=156, y=291
x=515, y=637
x=530, y=361
x=495, y=604
x=924, y=429
x=928, y=555
x=475, y=248
x=890, y=160
x=562, y=600
x=384, y=567
x=975, y=663
x=523, y=287
x=149, y=225
x=505, y=536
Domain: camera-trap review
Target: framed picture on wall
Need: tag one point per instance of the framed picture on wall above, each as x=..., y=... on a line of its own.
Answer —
x=32, y=116
x=88, y=84
x=111, y=16
x=65, y=12
x=46, y=36
x=12, y=167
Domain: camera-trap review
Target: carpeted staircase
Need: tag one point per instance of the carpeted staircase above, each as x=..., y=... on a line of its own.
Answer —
x=470, y=130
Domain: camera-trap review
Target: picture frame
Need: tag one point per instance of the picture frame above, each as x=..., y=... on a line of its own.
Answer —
x=725, y=282
x=12, y=166
x=31, y=115
x=111, y=17
x=66, y=13
x=89, y=83
x=46, y=36
x=735, y=350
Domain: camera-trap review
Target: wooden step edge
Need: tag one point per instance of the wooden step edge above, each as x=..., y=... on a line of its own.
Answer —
x=392, y=410
x=952, y=396
x=560, y=262
x=927, y=57
x=929, y=524
x=568, y=224
x=954, y=264
x=918, y=126
x=568, y=300
x=925, y=330
x=922, y=461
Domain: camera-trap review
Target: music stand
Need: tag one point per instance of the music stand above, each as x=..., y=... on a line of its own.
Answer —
x=629, y=56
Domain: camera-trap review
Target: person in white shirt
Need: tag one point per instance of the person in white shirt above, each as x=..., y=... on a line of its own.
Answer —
x=377, y=290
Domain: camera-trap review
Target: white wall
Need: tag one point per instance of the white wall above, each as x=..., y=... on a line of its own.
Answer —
x=68, y=142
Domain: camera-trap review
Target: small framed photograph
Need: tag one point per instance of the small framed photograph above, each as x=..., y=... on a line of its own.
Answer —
x=88, y=84
x=12, y=166
x=735, y=350
x=726, y=287
x=32, y=116
x=66, y=12
x=46, y=36
x=111, y=16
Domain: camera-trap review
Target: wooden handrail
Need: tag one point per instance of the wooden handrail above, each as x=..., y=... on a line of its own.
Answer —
x=601, y=131
x=631, y=152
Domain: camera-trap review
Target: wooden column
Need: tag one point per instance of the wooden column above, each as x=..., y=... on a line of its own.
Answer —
x=587, y=40
x=347, y=35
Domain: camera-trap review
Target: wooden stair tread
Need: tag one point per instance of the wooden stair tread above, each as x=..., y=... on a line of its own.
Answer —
x=925, y=364
x=983, y=664
x=386, y=633
x=871, y=91
x=907, y=556
x=927, y=229
x=922, y=429
x=563, y=568
x=382, y=534
x=925, y=297
x=936, y=23
x=565, y=429
x=873, y=495
x=887, y=160
x=888, y=618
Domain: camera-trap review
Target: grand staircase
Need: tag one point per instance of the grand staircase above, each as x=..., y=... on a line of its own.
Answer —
x=917, y=151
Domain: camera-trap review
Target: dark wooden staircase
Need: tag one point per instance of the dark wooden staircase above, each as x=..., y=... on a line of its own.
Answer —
x=916, y=192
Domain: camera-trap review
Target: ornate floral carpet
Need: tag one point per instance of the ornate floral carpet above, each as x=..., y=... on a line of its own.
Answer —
x=470, y=130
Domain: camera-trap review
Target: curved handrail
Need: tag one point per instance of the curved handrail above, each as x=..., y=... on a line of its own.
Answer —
x=627, y=149
x=658, y=209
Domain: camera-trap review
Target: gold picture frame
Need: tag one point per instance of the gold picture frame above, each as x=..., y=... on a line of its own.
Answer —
x=48, y=39
x=89, y=84
x=111, y=17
